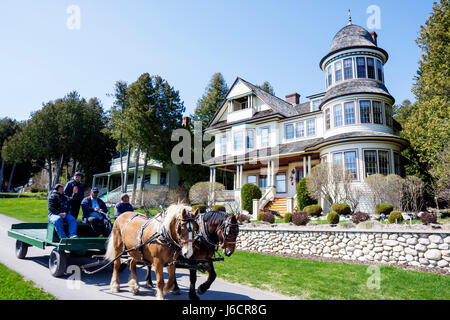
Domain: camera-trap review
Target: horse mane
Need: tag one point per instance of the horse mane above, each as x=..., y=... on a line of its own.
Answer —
x=215, y=217
x=173, y=212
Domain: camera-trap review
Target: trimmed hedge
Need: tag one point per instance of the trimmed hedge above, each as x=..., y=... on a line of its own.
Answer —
x=395, y=217
x=384, y=208
x=303, y=197
x=427, y=218
x=314, y=210
x=359, y=216
x=258, y=217
x=249, y=192
x=300, y=218
x=219, y=208
x=333, y=217
x=268, y=217
x=341, y=208
x=287, y=217
x=201, y=206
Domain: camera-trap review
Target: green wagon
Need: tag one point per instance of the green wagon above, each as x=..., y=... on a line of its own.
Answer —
x=43, y=235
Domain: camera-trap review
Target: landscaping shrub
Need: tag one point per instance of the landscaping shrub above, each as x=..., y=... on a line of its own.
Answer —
x=201, y=206
x=241, y=218
x=359, y=216
x=300, y=218
x=288, y=217
x=303, y=197
x=427, y=218
x=268, y=217
x=258, y=217
x=219, y=208
x=249, y=192
x=313, y=210
x=395, y=217
x=341, y=208
x=333, y=217
x=383, y=208
x=199, y=192
x=445, y=214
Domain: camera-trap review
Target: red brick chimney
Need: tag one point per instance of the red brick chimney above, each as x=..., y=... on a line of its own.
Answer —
x=374, y=37
x=186, y=122
x=293, y=98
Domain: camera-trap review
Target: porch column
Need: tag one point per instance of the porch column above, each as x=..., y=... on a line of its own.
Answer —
x=304, y=167
x=107, y=184
x=240, y=176
x=269, y=180
x=234, y=181
x=272, y=173
x=213, y=184
x=309, y=165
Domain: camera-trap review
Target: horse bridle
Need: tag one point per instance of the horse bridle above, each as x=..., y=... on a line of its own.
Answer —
x=188, y=219
x=224, y=230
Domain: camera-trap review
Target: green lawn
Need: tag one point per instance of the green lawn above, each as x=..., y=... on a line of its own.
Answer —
x=307, y=279
x=14, y=287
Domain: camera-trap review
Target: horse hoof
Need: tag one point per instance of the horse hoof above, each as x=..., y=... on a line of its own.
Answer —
x=200, y=290
x=194, y=297
x=134, y=291
x=150, y=285
x=115, y=288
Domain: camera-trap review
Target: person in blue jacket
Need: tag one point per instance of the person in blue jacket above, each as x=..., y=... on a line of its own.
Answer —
x=93, y=213
x=58, y=208
x=74, y=190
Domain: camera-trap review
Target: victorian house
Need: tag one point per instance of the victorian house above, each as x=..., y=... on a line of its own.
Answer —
x=273, y=142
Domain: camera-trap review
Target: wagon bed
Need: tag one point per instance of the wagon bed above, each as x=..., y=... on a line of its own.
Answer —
x=42, y=235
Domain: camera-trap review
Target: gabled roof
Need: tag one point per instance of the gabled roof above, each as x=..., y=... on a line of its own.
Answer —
x=277, y=105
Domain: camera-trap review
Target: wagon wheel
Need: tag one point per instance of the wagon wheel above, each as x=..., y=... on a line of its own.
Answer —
x=21, y=249
x=57, y=263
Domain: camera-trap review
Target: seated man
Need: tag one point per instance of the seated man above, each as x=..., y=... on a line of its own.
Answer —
x=93, y=208
x=58, y=213
x=123, y=206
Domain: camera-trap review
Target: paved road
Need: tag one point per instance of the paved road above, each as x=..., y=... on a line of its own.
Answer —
x=35, y=268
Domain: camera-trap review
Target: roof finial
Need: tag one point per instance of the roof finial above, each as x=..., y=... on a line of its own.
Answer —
x=349, y=17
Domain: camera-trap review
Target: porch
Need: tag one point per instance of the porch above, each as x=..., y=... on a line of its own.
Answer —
x=277, y=178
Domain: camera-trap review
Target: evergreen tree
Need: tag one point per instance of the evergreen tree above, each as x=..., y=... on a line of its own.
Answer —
x=267, y=87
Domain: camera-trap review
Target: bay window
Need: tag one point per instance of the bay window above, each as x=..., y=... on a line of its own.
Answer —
x=361, y=67
x=349, y=111
x=348, y=69
x=388, y=112
x=330, y=76
x=337, y=111
x=383, y=162
x=238, y=140
x=338, y=71
x=250, y=138
x=377, y=161
x=327, y=119
x=350, y=162
x=380, y=71
x=365, y=111
x=370, y=162
x=370, y=68
x=377, y=112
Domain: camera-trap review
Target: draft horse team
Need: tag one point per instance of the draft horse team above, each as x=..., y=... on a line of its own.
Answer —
x=176, y=235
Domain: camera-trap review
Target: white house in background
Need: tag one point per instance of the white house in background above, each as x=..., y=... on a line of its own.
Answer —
x=156, y=176
x=273, y=143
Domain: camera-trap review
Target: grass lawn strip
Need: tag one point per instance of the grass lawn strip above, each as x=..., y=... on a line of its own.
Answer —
x=14, y=287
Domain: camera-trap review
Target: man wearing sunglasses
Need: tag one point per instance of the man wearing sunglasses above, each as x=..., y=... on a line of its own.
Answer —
x=94, y=211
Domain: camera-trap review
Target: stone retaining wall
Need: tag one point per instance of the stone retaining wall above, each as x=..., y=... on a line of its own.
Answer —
x=425, y=249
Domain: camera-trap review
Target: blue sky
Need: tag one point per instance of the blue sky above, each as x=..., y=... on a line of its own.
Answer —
x=185, y=42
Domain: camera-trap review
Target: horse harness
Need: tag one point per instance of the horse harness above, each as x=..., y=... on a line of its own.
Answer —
x=223, y=230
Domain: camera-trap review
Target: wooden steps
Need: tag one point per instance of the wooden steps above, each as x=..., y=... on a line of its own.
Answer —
x=278, y=204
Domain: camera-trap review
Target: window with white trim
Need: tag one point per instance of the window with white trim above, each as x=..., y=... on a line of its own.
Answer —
x=377, y=112
x=311, y=127
x=300, y=129
x=252, y=179
x=330, y=75
x=265, y=134
x=350, y=162
x=380, y=71
x=365, y=111
x=280, y=182
x=327, y=119
x=338, y=71
x=289, y=131
x=337, y=111
x=349, y=112
x=224, y=144
x=348, y=69
x=250, y=138
x=238, y=140
x=361, y=67
x=370, y=68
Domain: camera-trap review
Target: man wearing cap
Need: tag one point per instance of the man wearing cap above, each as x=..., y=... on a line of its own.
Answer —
x=58, y=207
x=74, y=190
x=93, y=212
x=123, y=206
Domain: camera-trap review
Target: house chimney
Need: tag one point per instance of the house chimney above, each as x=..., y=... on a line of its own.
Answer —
x=293, y=98
x=374, y=37
x=186, y=122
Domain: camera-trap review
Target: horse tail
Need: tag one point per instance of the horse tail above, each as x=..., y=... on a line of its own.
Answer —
x=111, y=251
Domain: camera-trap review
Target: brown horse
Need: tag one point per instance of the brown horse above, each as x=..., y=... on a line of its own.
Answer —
x=164, y=239
x=216, y=229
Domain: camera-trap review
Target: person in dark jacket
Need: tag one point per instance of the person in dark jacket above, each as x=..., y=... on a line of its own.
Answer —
x=74, y=190
x=58, y=208
x=93, y=212
x=123, y=206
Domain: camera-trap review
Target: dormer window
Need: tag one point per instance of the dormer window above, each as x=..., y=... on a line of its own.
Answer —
x=316, y=104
